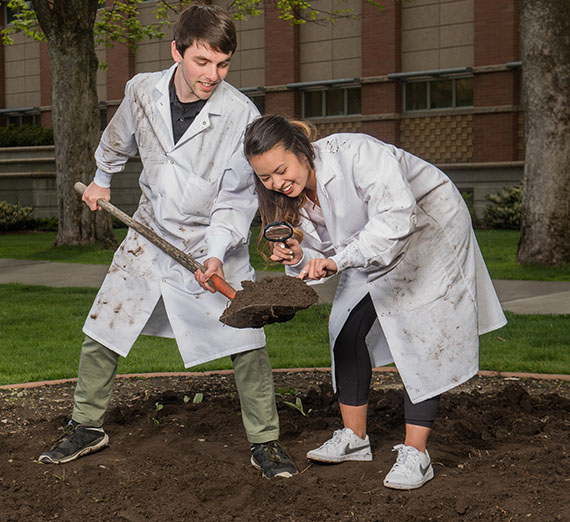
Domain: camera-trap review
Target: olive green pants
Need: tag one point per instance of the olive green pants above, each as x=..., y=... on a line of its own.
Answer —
x=254, y=381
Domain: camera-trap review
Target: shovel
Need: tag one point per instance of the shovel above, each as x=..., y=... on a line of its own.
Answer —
x=243, y=315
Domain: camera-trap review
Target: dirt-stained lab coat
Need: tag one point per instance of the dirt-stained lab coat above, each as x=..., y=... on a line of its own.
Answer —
x=198, y=195
x=400, y=230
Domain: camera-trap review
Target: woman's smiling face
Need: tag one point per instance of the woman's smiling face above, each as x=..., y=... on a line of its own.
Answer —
x=282, y=171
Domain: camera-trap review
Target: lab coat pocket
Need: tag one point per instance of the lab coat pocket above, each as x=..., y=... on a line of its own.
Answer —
x=197, y=199
x=420, y=277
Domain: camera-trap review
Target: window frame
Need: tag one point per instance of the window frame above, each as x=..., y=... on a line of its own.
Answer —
x=429, y=82
x=324, y=89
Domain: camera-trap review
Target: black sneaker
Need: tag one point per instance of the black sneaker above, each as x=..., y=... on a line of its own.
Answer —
x=74, y=442
x=272, y=459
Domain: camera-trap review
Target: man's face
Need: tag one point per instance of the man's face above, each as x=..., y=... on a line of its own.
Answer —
x=200, y=71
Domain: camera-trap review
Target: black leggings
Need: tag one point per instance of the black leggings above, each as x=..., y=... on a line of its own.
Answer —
x=353, y=370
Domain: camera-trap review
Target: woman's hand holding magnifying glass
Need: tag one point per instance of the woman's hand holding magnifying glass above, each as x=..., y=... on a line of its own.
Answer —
x=286, y=249
x=288, y=252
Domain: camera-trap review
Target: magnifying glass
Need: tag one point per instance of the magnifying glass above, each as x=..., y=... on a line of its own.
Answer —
x=278, y=231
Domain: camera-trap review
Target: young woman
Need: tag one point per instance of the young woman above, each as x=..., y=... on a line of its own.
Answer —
x=414, y=288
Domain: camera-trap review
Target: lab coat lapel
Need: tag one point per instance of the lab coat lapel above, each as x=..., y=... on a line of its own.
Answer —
x=213, y=108
x=324, y=173
x=161, y=119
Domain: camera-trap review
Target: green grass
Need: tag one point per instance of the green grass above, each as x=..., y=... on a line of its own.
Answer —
x=40, y=338
x=39, y=246
x=499, y=249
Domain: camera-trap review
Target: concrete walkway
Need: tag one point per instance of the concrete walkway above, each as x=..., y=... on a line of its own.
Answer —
x=521, y=297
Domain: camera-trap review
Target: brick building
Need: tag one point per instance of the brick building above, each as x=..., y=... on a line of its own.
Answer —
x=439, y=78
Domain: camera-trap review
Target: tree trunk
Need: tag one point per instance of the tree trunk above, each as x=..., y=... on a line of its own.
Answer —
x=545, y=52
x=69, y=29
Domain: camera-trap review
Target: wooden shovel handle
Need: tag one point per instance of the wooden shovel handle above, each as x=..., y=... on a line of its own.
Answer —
x=183, y=258
x=222, y=286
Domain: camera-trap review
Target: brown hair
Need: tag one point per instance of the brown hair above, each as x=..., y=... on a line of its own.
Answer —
x=210, y=24
x=264, y=134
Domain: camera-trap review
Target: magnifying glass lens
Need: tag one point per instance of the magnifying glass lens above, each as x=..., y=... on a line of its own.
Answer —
x=278, y=231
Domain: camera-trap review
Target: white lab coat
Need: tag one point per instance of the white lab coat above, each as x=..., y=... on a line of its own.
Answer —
x=400, y=230
x=198, y=195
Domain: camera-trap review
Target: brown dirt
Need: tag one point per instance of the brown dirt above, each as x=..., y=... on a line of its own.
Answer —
x=500, y=451
x=271, y=300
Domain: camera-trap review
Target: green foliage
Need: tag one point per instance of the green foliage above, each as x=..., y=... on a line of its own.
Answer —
x=13, y=217
x=298, y=406
x=470, y=202
x=504, y=211
x=16, y=218
x=120, y=21
x=293, y=11
x=157, y=408
x=24, y=21
x=25, y=136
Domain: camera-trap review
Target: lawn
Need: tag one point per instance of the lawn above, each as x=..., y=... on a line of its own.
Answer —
x=40, y=332
x=41, y=336
x=499, y=249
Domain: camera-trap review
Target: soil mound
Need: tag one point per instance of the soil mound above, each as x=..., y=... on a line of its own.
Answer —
x=271, y=300
x=178, y=453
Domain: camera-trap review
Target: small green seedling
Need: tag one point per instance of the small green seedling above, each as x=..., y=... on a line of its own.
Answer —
x=61, y=477
x=298, y=406
x=157, y=408
x=198, y=398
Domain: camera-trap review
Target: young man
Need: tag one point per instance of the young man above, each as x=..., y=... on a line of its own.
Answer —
x=187, y=125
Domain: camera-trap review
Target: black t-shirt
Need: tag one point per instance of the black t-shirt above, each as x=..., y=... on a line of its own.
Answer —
x=182, y=114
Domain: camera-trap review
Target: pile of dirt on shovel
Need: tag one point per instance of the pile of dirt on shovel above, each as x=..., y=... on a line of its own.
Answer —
x=273, y=299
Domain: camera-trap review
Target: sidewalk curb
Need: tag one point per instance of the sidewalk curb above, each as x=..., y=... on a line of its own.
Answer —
x=481, y=373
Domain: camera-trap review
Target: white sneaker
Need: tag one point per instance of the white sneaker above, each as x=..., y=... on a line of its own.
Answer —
x=344, y=445
x=411, y=470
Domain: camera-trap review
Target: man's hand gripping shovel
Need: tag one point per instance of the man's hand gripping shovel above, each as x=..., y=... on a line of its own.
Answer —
x=243, y=316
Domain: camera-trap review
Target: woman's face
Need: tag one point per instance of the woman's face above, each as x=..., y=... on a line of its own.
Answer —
x=282, y=171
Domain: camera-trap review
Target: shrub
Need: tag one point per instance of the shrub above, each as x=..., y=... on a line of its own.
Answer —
x=14, y=217
x=25, y=136
x=43, y=224
x=504, y=211
x=470, y=202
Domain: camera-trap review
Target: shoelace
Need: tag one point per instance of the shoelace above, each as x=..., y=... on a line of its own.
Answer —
x=335, y=439
x=274, y=452
x=70, y=428
x=403, y=453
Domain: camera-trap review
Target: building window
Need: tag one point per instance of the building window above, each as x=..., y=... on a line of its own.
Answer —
x=259, y=101
x=333, y=101
x=257, y=96
x=439, y=93
x=19, y=117
x=23, y=119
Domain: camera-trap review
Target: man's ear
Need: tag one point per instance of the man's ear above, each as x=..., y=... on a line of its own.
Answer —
x=176, y=56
